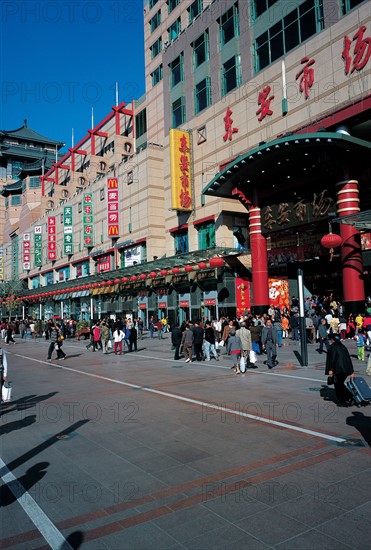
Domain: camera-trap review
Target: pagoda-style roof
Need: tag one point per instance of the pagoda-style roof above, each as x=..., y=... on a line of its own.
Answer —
x=27, y=134
x=12, y=189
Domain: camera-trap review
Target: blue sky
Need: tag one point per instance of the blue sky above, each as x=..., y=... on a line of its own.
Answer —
x=60, y=59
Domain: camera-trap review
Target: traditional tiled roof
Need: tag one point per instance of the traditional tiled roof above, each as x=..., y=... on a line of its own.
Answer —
x=27, y=134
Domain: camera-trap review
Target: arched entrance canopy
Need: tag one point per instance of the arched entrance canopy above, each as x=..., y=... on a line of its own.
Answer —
x=298, y=157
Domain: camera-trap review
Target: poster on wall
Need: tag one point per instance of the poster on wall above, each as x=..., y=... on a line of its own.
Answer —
x=243, y=303
x=279, y=293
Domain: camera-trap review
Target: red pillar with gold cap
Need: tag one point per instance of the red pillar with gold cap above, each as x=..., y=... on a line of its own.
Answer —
x=351, y=252
x=259, y=262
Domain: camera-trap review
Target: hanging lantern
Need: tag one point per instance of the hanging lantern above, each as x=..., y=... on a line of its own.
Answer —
x=216, y=262
x=153, y=274
x=133, y=278
x=117, y=281
x=142, y=276
x=95, y=285
x=202, y=265
x=175, y=270
x=109, y=283
x=331, y=241
x=163, y=272
x=125, y=279
x=188, y=268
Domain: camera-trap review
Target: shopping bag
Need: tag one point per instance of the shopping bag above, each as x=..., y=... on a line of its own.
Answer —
x=242, y=364
x=252, y=357
x=56, y=347
x=109, y=344
x=221, y=343
x=216, y=344
x=6, y=392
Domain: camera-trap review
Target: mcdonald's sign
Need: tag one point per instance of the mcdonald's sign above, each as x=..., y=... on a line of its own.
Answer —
x=113, y=201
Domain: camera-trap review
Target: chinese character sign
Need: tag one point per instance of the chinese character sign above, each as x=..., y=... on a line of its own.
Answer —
x=306, y=75
x=26, y=251
x=242, y=295
x=181, y=170
x=228, y=125
x=52, y=239
x=104, y=264
x=1, y=264
x=358, y=59
x=38, y=246
x=113, y=207
x=67, y=230
x=264, y=100
x=88, y=219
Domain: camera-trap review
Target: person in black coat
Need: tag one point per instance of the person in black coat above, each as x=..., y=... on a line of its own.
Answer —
x=133, y=339
x=176, y=340
x=339, y=364
x=198, y=341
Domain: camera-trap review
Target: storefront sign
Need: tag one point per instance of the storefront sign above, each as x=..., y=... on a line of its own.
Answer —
x=180, y=278
x=67, y=230
x=228, y=125
x=242, y=295
x=88, y=219
x=204, y=275
x=181, y=170
x=184, y=303
x=358, y=59
x=26, y=251
x=142, y=306
x=1, y=264
x=52, y=239
x=132, y=256
x=104, y=263
x=306, y=75
x=210, y=302
x=113, y=207
x=162, y=305
x=38, y=246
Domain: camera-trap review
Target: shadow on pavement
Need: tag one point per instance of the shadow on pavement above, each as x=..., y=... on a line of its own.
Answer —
x=74, y=540
x=362, y=424
x=18, y=424
x=12, y=491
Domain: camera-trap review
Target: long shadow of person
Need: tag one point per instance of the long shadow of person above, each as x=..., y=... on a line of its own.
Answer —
x=15, y=489
x=24, y=403
x=74, y=540
x=361, y=423
x=328, y=394
x=18, y=424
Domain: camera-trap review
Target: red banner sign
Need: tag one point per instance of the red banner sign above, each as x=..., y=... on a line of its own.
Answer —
x=210, y=302
x=184, y=303
x=242, y=295
x=52, y=239
x=113, y=207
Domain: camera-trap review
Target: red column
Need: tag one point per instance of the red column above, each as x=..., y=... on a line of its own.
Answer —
x=259, y=261
x=351, y=253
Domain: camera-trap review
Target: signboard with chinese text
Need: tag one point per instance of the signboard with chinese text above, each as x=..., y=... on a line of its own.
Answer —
x=104, y=263
x=52, y=239
x=242, y=295
x=181, y=170
x=26, y=251
x=88, y=219
x=1, y=264
x=113, y=207
x=38, y=246
x=67, y=230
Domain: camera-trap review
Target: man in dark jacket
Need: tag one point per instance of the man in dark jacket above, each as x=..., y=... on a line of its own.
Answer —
x=176, y=340
x=270, y=343
x=339, y=364
x=198, y=341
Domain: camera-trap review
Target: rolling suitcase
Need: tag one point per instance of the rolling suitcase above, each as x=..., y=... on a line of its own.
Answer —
x=359, y=389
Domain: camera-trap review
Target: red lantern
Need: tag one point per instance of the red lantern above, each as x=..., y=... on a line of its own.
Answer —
x=188, y=268
x=331, y=241
x=95, y=285
x=133, y=278
x=163, y=272
x=142, y=276
x=153, y=274
x=216, y=262
x=202, y=265
x=175, y=270
x=125, y=279
x=117, y=281
x=109, y=283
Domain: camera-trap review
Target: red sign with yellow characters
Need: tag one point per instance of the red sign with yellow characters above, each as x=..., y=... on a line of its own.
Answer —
x=113, y=207
x=181, y=170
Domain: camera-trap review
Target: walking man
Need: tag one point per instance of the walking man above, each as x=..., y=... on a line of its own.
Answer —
x=269, y=343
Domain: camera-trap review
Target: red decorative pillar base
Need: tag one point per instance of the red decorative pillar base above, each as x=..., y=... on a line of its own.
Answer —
x=259, y=261
x=351, y=251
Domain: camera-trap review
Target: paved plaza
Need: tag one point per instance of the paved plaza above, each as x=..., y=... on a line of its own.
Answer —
x=140, y=451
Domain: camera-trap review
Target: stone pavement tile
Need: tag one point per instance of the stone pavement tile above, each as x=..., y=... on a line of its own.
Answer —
x=311, y=540
x=352, y=529
x=271, y=526
x=155, y=462
x=310, y=511
x=145, y=536
x=177, y=475
x=235, y=506
x=189, y=523
x=349, y=493
x=226, y=538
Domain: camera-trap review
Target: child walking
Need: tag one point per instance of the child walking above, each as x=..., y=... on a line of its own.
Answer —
x=360, y=343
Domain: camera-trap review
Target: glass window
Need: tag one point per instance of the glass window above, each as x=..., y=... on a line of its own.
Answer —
x=174, y=29
x=194, y=10
x=206, y=236
x=260, y=6
x=155, y=21
x=202, y=95
x=178, y=112
x=157, y=75
x=201, y=49
x=15, y=200
x=231, y=74
x=228, y=25
x=347, y=5
x=156, y=47
x=140, y=123
x=292, y=30
x=176, y=71
x=35, y=182
x=180, y=242
x=172, y=4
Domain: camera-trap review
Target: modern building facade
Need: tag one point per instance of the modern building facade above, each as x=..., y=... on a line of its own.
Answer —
x=204, y=196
